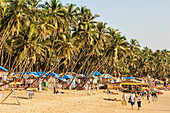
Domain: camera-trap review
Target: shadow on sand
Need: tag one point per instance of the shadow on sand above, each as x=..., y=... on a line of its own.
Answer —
x=20, y=97
x=10, y=103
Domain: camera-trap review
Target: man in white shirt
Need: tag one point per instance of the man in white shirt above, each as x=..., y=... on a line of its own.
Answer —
x=132, y=98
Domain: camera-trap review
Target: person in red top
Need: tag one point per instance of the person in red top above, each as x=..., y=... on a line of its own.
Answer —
x=23, y=82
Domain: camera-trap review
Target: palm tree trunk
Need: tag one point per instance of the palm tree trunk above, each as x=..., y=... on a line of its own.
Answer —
x=2, y=56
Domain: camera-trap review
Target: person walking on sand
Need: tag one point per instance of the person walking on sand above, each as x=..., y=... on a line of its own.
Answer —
x=152, y=94
x=54, y=90
x=139, y=101
x=136, y=93
x=88, y=88
x=148, y=96
x=156, y=95
x=124, y=97
x=143, y=94
x=132, y=98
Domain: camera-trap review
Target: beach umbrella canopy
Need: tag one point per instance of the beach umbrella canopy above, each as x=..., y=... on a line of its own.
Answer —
x=142, y=89
x=157, y=86
x=152, y=89
x=2, y=68
x=147, y=89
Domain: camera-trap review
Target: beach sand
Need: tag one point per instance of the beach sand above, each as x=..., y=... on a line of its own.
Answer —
x=73, y=101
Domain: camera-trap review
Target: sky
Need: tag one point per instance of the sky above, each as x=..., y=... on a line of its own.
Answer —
x=148, y=21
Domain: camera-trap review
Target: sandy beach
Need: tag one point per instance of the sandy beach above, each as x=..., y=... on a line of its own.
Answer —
x=73, y=101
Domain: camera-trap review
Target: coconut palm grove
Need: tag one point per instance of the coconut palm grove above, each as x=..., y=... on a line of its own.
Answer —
x=59, y=38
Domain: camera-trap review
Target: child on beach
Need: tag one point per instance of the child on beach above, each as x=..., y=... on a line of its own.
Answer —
x=139, y=101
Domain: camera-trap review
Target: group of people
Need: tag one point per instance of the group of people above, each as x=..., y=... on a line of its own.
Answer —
x=154, y=95
x=132, y=99
x=137, y=97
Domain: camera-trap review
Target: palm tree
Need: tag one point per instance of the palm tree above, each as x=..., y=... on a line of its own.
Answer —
x=133, y=56
x=116, y=49
x=66, y=46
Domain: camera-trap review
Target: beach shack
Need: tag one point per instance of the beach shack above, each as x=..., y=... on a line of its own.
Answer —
x=3, y=74
x=3, y=77
x=52, y=79
x=28, y=78
x=65, y=80
x=115, y=85
x=93, y=79
x=130, y=84
x=106, y=78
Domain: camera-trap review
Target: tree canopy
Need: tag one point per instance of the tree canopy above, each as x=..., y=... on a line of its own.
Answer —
x=62, y=38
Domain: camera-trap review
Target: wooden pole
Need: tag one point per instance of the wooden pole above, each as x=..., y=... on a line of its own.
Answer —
x=7, y=96
x=12, y=90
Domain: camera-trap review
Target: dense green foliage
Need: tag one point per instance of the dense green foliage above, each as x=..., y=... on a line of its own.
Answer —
x=51, y=36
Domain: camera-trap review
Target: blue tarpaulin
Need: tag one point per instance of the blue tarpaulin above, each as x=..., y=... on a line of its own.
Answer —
x=74, y=81
x=129, y=77
x=2, y=68
x=68, y=76
x=54, y=75
x=62, y=79
x=25, y=77
x=95, y=73
x=38, y=74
